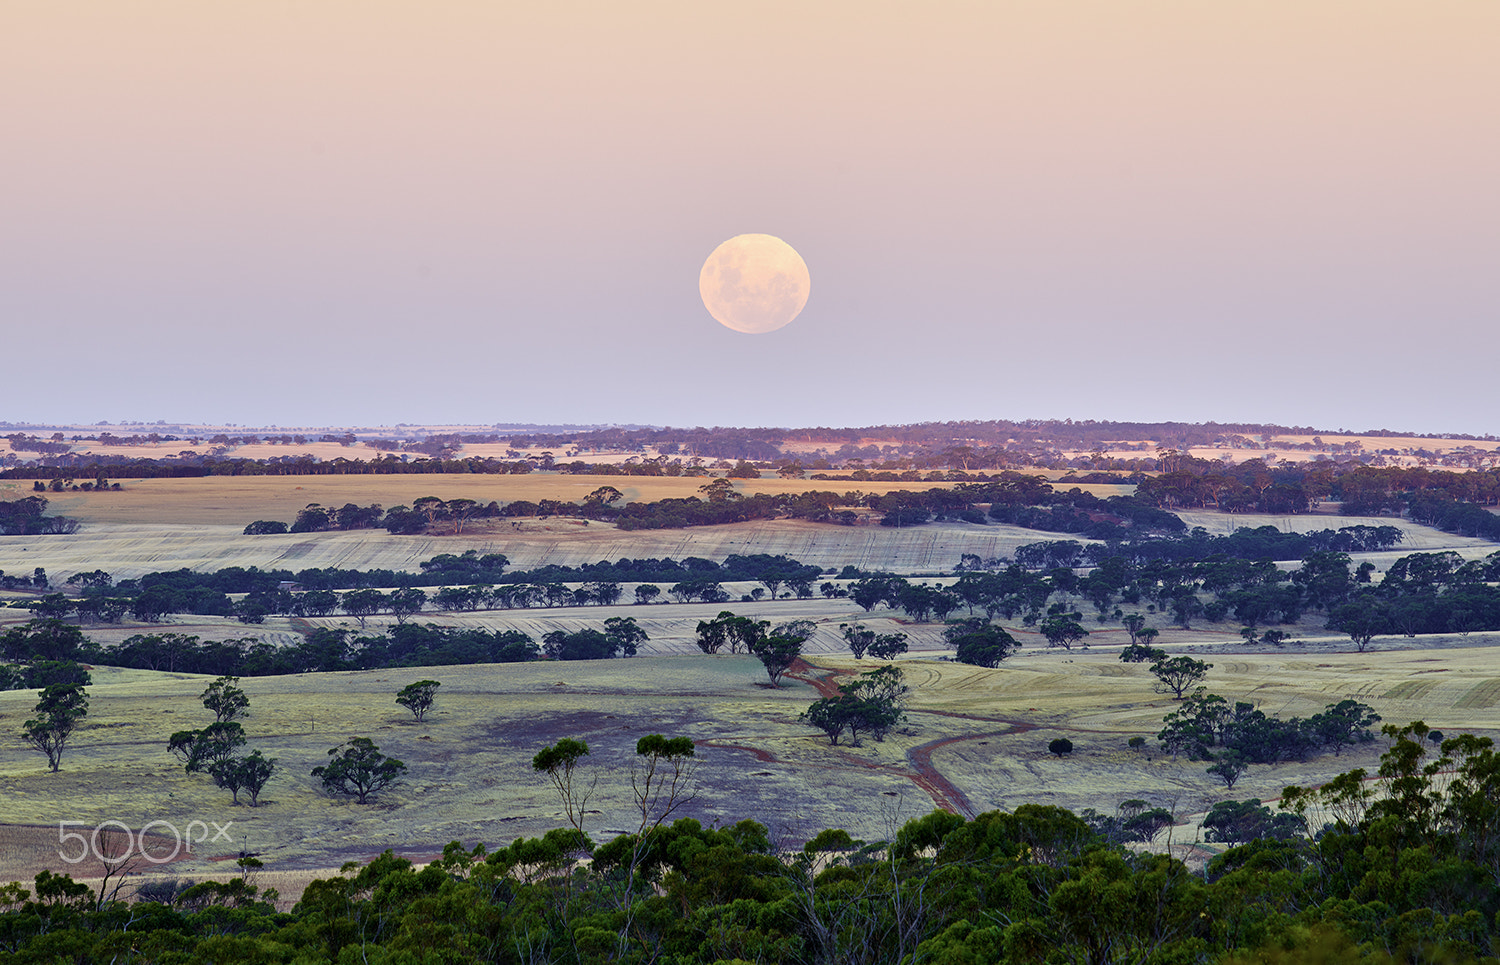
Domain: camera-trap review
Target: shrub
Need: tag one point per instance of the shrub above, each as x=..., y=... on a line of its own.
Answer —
x=1061, y=746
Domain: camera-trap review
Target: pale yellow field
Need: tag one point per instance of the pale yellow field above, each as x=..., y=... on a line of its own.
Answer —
x=128, y=550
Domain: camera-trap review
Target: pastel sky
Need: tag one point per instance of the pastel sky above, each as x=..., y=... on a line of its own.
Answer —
x=347, y=212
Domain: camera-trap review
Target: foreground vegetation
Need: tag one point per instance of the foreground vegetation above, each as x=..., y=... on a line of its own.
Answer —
x=1405, y=870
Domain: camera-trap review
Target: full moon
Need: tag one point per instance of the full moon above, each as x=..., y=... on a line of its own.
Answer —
x=754, y=283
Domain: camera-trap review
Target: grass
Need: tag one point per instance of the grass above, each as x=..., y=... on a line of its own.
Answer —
x=1483, y=695
x=985, y=731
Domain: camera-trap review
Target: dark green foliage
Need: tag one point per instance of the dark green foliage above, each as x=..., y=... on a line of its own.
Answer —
x=26, y=517
x=418, y=697
x=357, y=769
x=1205, y=721
x=1362, y=619
x=1175, y=675
x=1134, y=820
x=1063, y=631
x=44, y=639
x=871, y=704
x=621, y=635
x=980, y=643
x=1060, y=746
x=1235, y=822
x=201, y=750
x=225, y=699
x=1140, y=653
x=249, y=774
x=45, y=673
x=58, y=713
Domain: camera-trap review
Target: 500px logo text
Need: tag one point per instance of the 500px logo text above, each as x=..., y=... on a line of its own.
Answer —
x=112, y=840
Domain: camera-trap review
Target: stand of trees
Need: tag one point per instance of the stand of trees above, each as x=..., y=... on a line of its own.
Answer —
x=27, y=517
x=469, y=581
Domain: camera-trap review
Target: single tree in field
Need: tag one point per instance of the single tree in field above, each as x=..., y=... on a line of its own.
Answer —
x=358, y=769
x=1063, y=631
x=1363, y=619
x=603, y=496
x=418, y=697
x=888, y=645
x=559, y=761
x=777, y=654
x=225, y=699
x=980, y=643
x=625, y=635
x=1134, y=624
x=58, y=713
x=859, y=637
x=662, y=779
x=1177, y=674
x=1228, y=767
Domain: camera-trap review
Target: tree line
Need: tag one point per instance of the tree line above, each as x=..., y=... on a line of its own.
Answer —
x=467, y=581
x=27, y=517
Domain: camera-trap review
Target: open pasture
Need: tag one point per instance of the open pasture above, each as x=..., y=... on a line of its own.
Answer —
x=975, y=740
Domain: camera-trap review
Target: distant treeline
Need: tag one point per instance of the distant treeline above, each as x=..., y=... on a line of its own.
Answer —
x=1065, y=433
x=469, y=581
x=1252, y=486
x=1011, y=497
x=45, y=648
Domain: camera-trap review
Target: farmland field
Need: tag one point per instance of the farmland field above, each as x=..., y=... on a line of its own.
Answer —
x=164, y=524
x=975, y=739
